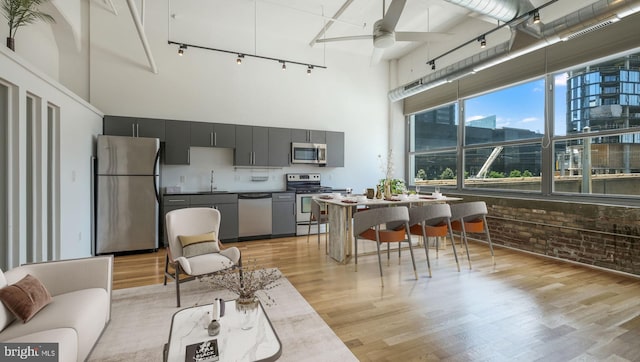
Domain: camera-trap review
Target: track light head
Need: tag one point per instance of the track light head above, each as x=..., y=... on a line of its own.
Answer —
x=309, y=68
x=181, y=49
x=432, y=63
x=536, y=17
x=239, y=59
x=284, y=65
x=483, y=41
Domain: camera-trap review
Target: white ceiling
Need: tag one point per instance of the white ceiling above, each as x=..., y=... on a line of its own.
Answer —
x=285, y=28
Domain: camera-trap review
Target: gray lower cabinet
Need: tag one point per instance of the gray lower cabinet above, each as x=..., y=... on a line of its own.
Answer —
x=335, y=149
x=279, y=147
x=227, y=204
x=204, y=134
x=133, y=127
x=252, y=146
x=283, y=213
x=170, y=203
x=177, y=142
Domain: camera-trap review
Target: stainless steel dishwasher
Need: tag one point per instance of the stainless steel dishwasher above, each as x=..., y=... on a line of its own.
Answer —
x=254, y=214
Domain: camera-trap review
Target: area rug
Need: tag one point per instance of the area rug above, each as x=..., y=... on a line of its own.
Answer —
x=141, y=318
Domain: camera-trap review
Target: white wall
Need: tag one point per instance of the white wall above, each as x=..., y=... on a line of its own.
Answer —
x=350, y=96
x=79, y=123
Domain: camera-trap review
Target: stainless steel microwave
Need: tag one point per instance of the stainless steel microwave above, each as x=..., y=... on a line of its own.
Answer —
x=314, y=153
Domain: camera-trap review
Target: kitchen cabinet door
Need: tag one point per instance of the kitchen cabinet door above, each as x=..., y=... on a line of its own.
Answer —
x=119, y=126
x=279, y=147
x=283, y=213
x=228, y=221
x=252, y=146
x=204, y=134
x=224, y=135
x=335, y=149
x=260, y=146
x=308, y=136
x=152, y=128
x=133, y=127
x=201, y=134
x=243, y=155
x=177, y=143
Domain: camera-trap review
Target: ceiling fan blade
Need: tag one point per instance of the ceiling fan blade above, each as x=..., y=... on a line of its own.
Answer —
x=376, y=56
x=420, y=36
x=392, y=16
x=344, y=38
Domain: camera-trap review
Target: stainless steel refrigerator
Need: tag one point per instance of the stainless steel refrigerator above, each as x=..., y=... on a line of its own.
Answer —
x=127, y=194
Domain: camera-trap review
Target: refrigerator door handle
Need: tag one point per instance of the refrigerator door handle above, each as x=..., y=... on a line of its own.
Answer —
x=155, y=173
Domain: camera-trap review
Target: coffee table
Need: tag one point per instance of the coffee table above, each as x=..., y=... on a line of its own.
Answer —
x=189, y=326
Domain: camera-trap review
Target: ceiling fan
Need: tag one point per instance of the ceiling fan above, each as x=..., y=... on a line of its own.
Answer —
x=384, y=34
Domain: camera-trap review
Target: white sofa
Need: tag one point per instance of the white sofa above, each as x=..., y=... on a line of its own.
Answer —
x=78, y=313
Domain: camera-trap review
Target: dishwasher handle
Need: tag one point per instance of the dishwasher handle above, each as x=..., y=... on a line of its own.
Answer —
x=254, y=196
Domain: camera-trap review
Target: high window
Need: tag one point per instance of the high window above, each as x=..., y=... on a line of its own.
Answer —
x=587, y=125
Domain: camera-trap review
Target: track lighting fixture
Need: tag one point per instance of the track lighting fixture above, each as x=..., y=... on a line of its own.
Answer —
x=181, y=49
x=536, y=17
x=240, y=56
x=483, y=42
x=432, y=63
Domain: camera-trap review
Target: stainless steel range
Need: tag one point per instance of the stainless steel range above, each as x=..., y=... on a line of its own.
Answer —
x=306, y=186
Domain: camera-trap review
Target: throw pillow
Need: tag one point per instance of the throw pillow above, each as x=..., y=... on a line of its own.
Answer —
x=193, y=245
x=6, y=317
x=25, y=298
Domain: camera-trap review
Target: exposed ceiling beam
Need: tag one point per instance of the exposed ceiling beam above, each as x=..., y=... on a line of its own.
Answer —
x=335, y=17
x=143, y=36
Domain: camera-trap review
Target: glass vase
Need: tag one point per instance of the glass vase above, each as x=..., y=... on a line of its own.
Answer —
x=247, y=309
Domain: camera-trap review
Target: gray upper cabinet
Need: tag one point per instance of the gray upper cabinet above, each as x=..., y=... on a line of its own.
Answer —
x=309, y=136
x=201, y=134
x=134, y=127
x=224, y=135
x=335, y=149
x=204, y=134
x=252, y=146
x=177, y=142
x=279, y=147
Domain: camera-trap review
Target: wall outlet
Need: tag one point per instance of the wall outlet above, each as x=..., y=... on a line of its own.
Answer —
x=183, y=179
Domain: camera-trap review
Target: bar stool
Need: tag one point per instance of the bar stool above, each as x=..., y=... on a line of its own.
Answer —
x=470, y=217
x=366, y=225
x=320, y=216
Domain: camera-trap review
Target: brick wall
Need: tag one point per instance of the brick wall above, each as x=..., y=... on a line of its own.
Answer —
x=601, y=235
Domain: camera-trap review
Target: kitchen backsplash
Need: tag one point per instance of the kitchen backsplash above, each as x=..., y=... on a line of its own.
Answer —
x=197, y=175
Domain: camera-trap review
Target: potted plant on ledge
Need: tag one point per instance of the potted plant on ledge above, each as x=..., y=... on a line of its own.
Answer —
x=22, y=12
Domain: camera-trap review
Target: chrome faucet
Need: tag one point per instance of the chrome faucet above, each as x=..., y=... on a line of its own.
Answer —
x=211, y=182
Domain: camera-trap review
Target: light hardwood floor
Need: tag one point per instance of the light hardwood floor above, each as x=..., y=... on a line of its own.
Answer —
x=526, y=308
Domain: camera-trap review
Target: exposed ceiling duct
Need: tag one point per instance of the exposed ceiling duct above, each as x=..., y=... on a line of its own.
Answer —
x=525, y=38
x=503, y=10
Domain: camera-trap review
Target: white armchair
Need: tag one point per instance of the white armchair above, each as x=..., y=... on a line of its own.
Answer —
x=194, y=246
